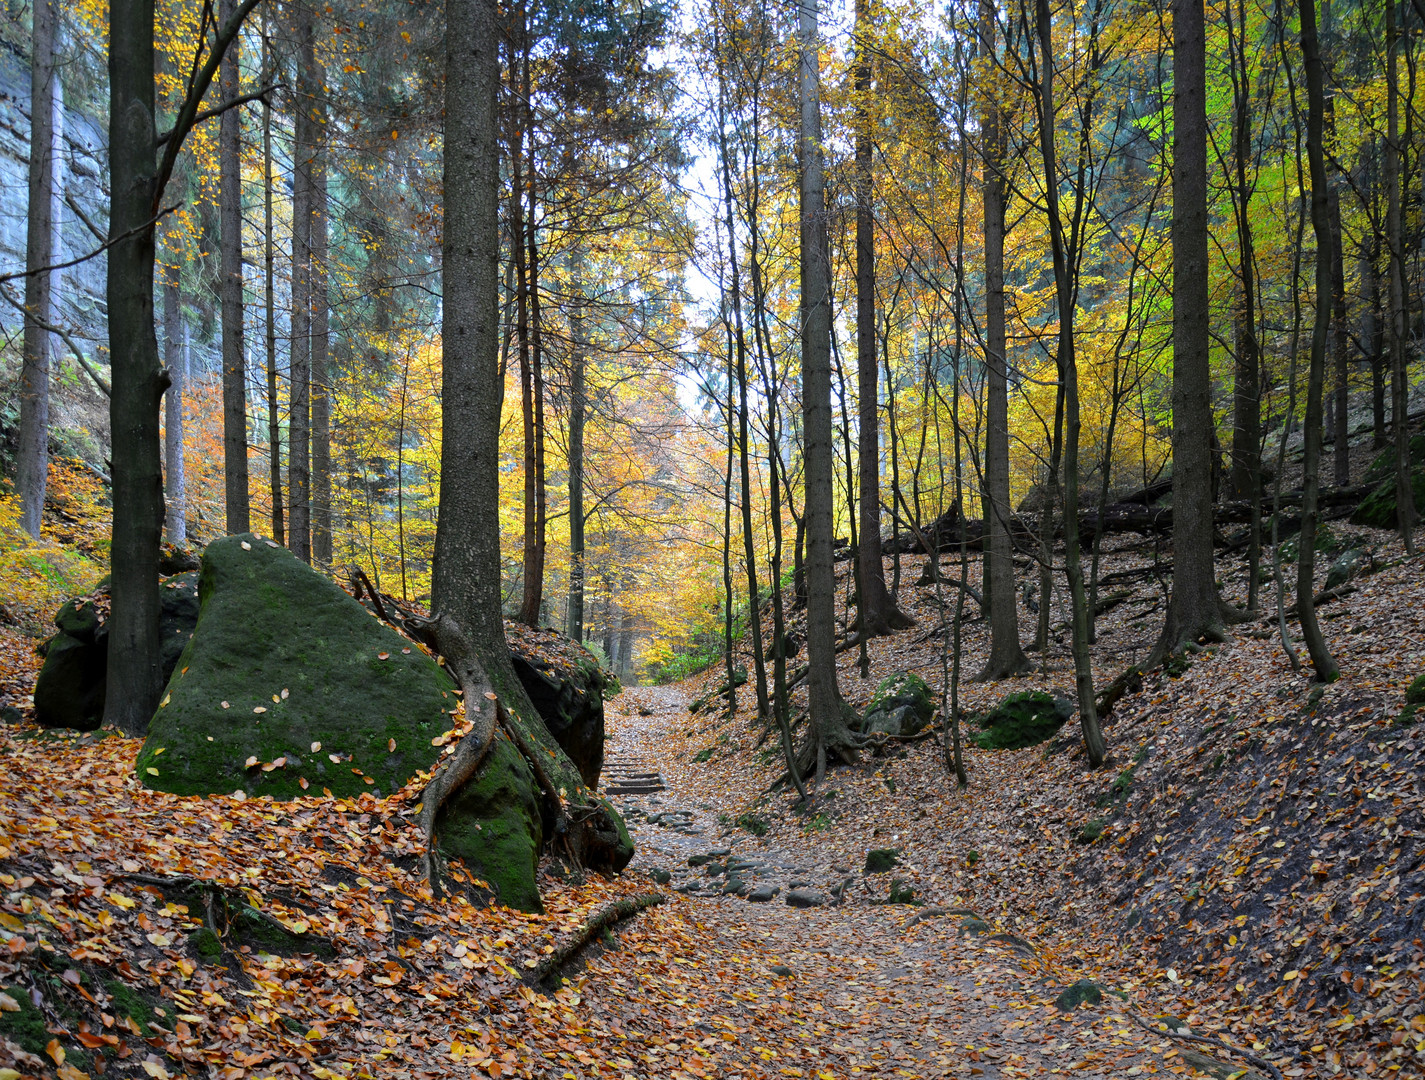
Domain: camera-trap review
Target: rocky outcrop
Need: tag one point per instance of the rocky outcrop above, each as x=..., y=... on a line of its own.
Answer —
x=901, y=706
x=1026, y=719
x=566, y=685
x=69, y=692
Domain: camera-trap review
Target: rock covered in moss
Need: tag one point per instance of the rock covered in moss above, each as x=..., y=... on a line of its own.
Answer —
x=493, y=823
x=69, y=692
x=1025, y=719
x=567, y=686
x=287, y=678
x=902, y=705
x=1378, y=508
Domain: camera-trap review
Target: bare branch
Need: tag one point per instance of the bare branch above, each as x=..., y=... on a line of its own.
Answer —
x=51, y=328
x=218, y=110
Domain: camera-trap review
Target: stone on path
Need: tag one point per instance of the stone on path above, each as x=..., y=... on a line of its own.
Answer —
x=805, y=898
x=762, y=894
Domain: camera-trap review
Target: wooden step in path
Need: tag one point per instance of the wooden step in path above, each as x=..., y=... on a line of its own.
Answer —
x=627, y=776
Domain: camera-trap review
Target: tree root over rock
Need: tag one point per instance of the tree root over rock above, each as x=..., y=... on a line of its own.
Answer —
x=601, y=920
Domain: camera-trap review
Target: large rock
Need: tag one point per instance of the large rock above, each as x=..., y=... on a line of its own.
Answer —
x=1378, y=508
x=902, y=705
x=288, y=679
x=69, y=692
x=566, y=685
x=1025, y=719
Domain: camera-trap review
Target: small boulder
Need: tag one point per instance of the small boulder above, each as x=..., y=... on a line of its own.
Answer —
x=1024, y=719
x=69, y=692
x=901, y=706
x=1074, y=995
x=1346, y=566
x=880, y=860
x=805, y=898
x=1378, y=508
x=762, y=894
x=902, y=892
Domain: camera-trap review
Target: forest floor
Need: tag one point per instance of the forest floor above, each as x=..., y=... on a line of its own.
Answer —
x=1252, y=889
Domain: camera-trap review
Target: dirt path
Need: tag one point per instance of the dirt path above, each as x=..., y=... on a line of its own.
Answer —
x=846, y=988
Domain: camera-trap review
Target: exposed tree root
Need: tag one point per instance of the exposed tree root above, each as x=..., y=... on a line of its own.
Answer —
x=1202, y=1040
x=481, y=706
x=601, y=920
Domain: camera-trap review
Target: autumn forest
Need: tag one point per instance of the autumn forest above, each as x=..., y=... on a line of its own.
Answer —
x=593, y=540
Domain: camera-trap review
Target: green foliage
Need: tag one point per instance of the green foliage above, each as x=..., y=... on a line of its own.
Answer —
x=1074, y=995
x=880, y=860
x=1092, y=830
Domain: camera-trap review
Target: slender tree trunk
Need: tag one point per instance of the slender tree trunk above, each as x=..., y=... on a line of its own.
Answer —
x=175, y=348
x=1340, y=343
x=532, y=608
x=1006, y=658
x=235, y=487
x=1195, y=610
x=578, y=405
x=1399, y=330
x=1321, y=660
x=1065, y=257
x=274, y=416
x=830, y=733
x=879, y=614
x=299, y=474
x=33, y=465
x=135, y=671
x=321, y=386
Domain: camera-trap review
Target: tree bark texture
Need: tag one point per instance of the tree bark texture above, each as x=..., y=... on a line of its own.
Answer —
x=879, y=614
x=578, y=405
x=299, y=424
x=135, y=672
x=830, y=733
x=1321, y=659
x=1006, y=657
x=1194, y=610
x=1399, y=327
x=175, y=349
x=33, y=464
x=230, y=293
x=321, y=386
x=269, y=273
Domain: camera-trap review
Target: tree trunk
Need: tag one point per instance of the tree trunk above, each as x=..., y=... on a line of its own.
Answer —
x=1321, y=660
x=321, y=385
x=135, y=671
x=235, y=488
x=299, y=469
x=1006, y=657
x=578, y=404
x=1064, y=258
x=1195, y=610
x=878, y=612
x=33, y=465
x=830, y=733
x=1340, y=341
x=175, y=348
x=274, y=418
x=1399, y=328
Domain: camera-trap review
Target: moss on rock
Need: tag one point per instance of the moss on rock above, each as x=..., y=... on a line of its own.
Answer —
x=287, y=669
x=493, y=824
x=1025, y=719
x=902, y=705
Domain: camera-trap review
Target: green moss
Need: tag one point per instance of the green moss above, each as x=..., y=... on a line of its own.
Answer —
x=125, y=1001
x=205, y=945
x=753, y=823
x=1074, y=995
x=704, y=755
x=1091, y=830
x=269, y=623
x=881, y=860
x=1024, y=719
x=493, y=824
x=27, y=1027
x=902, y=892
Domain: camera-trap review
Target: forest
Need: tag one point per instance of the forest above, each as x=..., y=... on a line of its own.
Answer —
x=711, y=538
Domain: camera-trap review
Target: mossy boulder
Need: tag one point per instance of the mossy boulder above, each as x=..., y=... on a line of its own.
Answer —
x=1414, y=702
x=493, y=823
x=287, y=678
x=567, y=687
x=69, y=692
x=881, y=860
x=1025, y=719
x=1378, y=508
x=902, y=705
x=1346, y=566
x=1077, y=993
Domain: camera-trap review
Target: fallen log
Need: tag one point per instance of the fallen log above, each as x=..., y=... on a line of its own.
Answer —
x=601, y=920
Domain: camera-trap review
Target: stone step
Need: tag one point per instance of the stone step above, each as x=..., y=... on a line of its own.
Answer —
x=640, y=789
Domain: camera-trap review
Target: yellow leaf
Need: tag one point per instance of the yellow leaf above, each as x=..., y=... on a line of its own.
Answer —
x=1290, y=975
x=9, y=1074
x=10, y=922
x=457, y=1049
x=161, y=940
x=316, y=746
x=260, y=709
x=55, y=1051
x=119, y=900
x=8, y=1004
x=151, y=771
x=251, y=761
x=164, y=702
x=154, y=1068
x=69, y=1072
